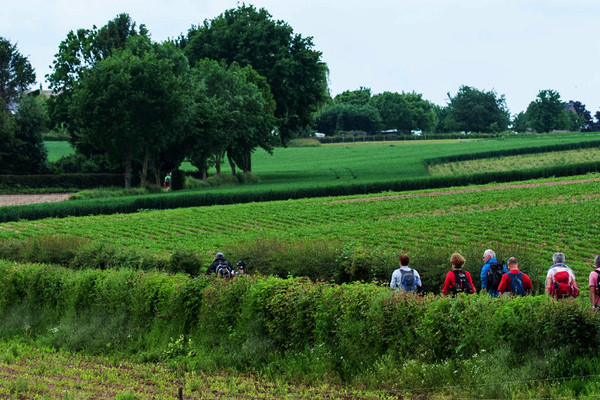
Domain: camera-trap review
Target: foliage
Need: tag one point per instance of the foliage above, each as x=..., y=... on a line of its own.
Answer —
x=348, y=117
x=296, y=329
x=16, y=74
x=547, y=112
x=293, y=69
x=359, y=97
x=404, y=111
x=129, y=105
x=473, y=110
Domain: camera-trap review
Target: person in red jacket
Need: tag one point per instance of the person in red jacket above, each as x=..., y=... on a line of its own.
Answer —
x=515, y=282
x=457, y=280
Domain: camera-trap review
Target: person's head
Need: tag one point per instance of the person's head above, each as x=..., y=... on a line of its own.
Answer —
x=488, y=254
x=241, y=265
x=513, y=263
x=457, y=261
x=597, y=261
x=404, y=260
x=219, y=255
x=558, y=258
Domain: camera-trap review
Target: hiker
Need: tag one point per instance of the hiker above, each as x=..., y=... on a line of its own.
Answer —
x=560, y=280
x=515, y=282
x=168, y=182
x=457, y=280
x=491, y=273
x=241, y=268
x=406, y=279
x=221, y=267
x=595, y=284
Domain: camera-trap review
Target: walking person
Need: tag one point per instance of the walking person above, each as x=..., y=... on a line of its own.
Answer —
x=515, y=282
x=457, y=280
x=405, y=279
x=492, y=272
x=595, y=284
x=560, y=280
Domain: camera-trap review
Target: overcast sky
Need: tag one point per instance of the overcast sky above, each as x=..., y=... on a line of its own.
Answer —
x=514, y=47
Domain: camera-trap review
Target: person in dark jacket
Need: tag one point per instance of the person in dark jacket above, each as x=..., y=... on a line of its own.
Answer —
x=220, y=266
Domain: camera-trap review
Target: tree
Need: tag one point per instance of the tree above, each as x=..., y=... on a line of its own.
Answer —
x=294, y=71
x=547, y=112
x=232, y=113
x=520, y=123
x=360, y=97
x=30, y=121
x=340, y=117
x=130, y=105
x=404, y=111
x=584, y=120
x=16, y=73
x=473, y=110
x=79, y=53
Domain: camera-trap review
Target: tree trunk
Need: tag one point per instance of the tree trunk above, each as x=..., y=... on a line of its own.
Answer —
x=231, y=163
x=144, y=168
x=218, y=165
x=128, y=169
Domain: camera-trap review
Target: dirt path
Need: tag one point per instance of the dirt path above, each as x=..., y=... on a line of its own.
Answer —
x=469, y=190
x=19, y=199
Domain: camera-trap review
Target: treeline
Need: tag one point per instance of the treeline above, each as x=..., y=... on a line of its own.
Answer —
x=291, y=328
x=472, y=112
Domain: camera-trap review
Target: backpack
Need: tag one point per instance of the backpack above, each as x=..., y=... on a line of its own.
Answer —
x=462, y=284
x=224, y=270
x=516, y=284
x=407, y=278
x=494, y=276
x=560, y=286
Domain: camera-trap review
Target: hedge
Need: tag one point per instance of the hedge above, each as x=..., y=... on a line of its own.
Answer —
x=247, y=323
x=197, y=198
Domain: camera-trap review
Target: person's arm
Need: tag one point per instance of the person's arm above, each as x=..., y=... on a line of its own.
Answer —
x=447, y=282
x=527, y=285
x=393, y=282
x=548, y=284
x=470, y=281
x=593, y=296
x=484, y=274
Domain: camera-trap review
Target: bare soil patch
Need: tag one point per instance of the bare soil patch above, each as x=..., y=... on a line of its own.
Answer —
x=20, y=199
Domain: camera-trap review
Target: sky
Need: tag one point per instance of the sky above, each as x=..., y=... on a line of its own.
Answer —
x=514, y=47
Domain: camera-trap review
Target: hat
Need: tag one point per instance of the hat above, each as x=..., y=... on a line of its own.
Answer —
x=219, y=255
x=241, y=264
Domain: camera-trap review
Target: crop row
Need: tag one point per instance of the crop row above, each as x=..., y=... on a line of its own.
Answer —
x=510, y=163
x=542, y=218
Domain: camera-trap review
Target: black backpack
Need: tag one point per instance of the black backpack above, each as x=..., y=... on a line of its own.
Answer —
x=407, y=278
x=494, y=276
x=224, y=269
x=462, y=284
x=597, y=287
x=516, y=284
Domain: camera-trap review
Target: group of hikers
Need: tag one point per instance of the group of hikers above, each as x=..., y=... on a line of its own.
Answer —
x=498, y=278
x=223, y=268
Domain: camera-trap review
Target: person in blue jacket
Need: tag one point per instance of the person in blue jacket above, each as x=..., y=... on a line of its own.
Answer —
x=487, y=281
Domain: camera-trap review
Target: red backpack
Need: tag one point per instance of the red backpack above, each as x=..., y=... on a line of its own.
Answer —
x=560, y=285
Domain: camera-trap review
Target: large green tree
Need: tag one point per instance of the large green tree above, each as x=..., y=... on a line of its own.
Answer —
x=78, y=53
x=359, y=97
x=339, y=117
x=232, y=114
x=130, y=105
x=16, y=73
x=31, y=121
x=293, y=68
x=404, y=111
x=547, y=112
x=473, y=110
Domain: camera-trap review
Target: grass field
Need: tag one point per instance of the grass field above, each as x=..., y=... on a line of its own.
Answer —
x=58, y=149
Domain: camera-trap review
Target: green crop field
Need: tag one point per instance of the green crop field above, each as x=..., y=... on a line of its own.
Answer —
x=542, y=217
x=510, y=163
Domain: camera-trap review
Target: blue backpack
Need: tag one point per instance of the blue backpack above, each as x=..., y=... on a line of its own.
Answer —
x=407, y=278
x=516, y=284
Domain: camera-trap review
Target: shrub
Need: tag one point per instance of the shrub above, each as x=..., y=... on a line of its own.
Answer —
x=304, y=142
x=186, y=261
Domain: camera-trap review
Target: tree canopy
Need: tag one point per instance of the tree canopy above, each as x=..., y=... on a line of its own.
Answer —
x=404, y=111
x=473, y=110
x=547, y=112
x=296, y=75
x=16, y=73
